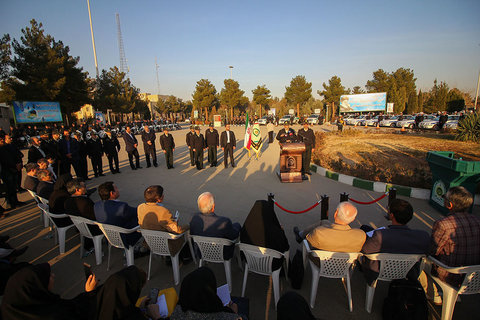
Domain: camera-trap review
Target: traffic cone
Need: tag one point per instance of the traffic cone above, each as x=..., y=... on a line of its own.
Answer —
x=378, y=126
x=403, y=129
x=366, y=124
x=355, y=124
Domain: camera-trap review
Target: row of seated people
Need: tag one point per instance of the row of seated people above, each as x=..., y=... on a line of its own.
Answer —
x=454, y=240
x=29, y=295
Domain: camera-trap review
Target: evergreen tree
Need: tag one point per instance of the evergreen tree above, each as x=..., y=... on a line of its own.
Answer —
x=298, y=92
x=43, y=70
x=205, y=96
x=357, y=90
x=261, y=96
x=5, y=52
x=332, y=92
x=455, y=100
x=412, y=104
x=232, y=96
x=420, y=101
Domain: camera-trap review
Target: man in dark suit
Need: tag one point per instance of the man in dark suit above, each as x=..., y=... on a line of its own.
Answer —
x=148, y=138
x=18, y=155
x=111, y=146
x=211, y=139
x=307, y=136
x=168, y=146
x=8, y=173
x=111, y=211
x=31, y=181
x=45, y=184
x=79, y=158
x=68, y=149
x=35, y=152
x=228, y=144
x=189, y=141
x=131, y=145
x=396, y=238
x=198, y=148
x=286, y=134
x=95, y=152
x=208, y=224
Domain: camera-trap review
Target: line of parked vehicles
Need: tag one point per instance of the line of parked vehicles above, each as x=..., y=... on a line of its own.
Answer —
x=312, y=119
x=430, y=121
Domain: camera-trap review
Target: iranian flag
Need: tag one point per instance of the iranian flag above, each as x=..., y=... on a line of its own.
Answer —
x=247, y=141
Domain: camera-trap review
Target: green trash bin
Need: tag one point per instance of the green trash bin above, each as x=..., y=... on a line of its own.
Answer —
x=448, y=172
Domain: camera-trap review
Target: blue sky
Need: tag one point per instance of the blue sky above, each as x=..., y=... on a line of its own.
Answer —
x=267, y=42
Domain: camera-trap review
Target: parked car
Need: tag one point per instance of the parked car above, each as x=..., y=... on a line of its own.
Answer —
x=358, y=120
x=390, y=122
x=291, y=119
x=430, y=123
x=372, y=122
x=407, y=122
x=349, y=119
x=315, y=119
x=263, y=121
x=452, y=122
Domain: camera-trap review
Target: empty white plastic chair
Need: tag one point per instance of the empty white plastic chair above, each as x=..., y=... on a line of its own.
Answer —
x=60, y=231
x=43, y=216
x=158, y=243
x=393, y=266
x=332, y=265
x=470, y=284
x=112, y=233
x=211, y=249
x=259, y=260
x=82, y=225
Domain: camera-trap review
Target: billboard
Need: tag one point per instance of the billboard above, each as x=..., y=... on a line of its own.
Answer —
x=35, y=112
x=363, y=102
x=100, y=118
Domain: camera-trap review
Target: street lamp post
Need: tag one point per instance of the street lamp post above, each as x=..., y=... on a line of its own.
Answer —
x=231, y=67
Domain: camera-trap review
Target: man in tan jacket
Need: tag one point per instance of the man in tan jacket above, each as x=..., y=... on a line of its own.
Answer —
x=152, y=215
x=337, y=236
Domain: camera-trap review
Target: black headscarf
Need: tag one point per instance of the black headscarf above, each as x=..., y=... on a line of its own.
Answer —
x=117, y=297
x=198, y=292
x=292, y=306
x=261, y=228
x=27, y=295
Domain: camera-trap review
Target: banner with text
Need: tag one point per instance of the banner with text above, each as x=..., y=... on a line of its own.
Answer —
x=363, y=102
x=36, y=112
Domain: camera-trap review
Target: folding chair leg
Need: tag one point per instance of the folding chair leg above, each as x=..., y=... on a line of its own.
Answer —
x=61, y=239
x=176, y=269
x=304, y=256
x=129, y=256
x=109, y=251
x=369, y=296
x=313, y=291
x=245, y=275
x=449, y=300
x=200, y=263
x=82, y=240
x=97, y=244
x=228, y=273
x=46, y=221
x=149, y=265
x=349, y=292
x=276, y=286
x=192, y=252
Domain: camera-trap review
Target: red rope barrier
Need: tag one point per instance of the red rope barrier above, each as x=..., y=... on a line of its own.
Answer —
x=369, y=202
x=297, y=212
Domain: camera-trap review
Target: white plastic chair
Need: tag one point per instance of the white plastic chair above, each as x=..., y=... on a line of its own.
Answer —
x=61, y=231
x=211, y=249
x=158, y=243
x=260, y=260
x=82, y=225
x=112, y=233
x=470, y=285
x=43, y=216
x=393, y=266
x=332, y=265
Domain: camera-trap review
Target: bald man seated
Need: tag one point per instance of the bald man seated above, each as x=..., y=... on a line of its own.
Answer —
x=208, y=224
x=337, y=236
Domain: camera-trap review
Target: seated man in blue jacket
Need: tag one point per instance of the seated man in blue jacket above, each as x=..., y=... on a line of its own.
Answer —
x=208, y=224
x=117, y=213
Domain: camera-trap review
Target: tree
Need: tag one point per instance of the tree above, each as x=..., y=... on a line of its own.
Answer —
x=438, y=97
x=455, y=100
x=261, y=96
x=332, y=92
x=298, y=92
x=232, y=96
x=43, y=70
x=116, y=92
x=5, y=52
x=420, y=101
x=357, y=90
x=205, y=96
x=380, y=82
x=412, y=104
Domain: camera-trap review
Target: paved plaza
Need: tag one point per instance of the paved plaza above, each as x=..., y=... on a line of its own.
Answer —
x=235, y=191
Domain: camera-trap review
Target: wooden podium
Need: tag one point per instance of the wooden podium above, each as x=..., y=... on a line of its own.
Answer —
x=291, y=161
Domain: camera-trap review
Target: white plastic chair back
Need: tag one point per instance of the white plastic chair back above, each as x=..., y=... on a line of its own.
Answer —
x=158, y=241
x=471, y=283
x=81, y=224
x=211, y=248
x=34, y=196
x=394, y=266
x=335, y=264
x=60, y=232
x=112, y=233
x=43, y=200
x=259, y=259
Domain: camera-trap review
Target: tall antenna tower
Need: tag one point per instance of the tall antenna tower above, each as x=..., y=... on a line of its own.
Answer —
x=158, y=82
x=123, y=60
